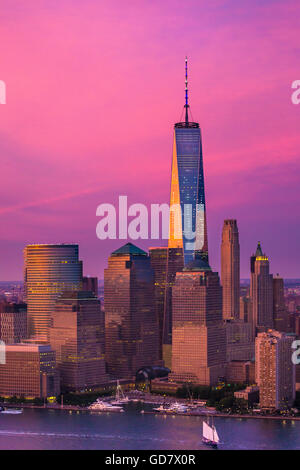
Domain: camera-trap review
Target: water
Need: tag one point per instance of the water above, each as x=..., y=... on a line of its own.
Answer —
x=56, y=429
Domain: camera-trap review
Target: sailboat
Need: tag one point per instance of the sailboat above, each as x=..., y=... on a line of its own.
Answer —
x=209, y=434
x=120, y=397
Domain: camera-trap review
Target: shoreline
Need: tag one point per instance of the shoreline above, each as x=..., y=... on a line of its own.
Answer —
x=188, y=413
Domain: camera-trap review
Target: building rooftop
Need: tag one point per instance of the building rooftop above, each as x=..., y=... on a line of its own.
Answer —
x=198, y=264
x=129, y=249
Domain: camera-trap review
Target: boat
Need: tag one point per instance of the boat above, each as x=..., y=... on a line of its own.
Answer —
x=4, y=411
x=100, y=405
x=177, y=408
x=120, y=398
x=173, y=408
x=209, y=434
x=160, y=408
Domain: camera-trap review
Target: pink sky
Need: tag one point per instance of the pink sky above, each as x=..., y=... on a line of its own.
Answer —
x=93, y=91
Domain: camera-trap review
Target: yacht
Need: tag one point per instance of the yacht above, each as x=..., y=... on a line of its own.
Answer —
x=160, y=408
x=100, y=405
x=173, y=408
x=178, y=408
x=3, y=411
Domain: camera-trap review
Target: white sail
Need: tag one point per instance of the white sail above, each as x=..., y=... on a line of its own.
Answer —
x=208, y=432
x=216, y=437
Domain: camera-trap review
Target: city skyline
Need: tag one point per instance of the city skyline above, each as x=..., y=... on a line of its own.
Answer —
x=61, y=172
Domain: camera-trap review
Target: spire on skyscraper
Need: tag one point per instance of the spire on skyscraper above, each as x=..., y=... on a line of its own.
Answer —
x=186, y=92
x=258, y=250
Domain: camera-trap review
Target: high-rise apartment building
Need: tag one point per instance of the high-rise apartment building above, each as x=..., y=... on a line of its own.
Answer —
x=274, y=370
x=230, y=269
x=199, y=334
x=49, y=271
x=29, y=371
x=280, y=314
x=77, y=336
x=261, y=292
x=131, y=322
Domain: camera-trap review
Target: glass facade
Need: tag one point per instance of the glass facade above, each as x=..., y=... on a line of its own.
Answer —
x=49, y=271
x=199, y=335
x=131, y=320
x=188, y=230
x=77, y=336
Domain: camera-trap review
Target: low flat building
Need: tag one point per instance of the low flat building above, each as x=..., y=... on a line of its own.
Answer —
x=164, y=386
x=30, y=371
x=250, y=394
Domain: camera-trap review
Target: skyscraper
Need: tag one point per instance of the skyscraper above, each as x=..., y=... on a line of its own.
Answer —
x=274, y=370
x=188, y=231
x=49, y=270
x=158, y=257
x=77, y=336
x=188, y=225
x=230, y=269
x=131, y=323
x=280, y=314
x=261, y=292
x=199, y=335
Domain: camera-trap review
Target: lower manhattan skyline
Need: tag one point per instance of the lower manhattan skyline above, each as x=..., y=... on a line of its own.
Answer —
x=249, y=123
x=149, y=242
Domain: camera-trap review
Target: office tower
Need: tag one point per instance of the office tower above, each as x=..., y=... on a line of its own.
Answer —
x=274, y=370
x=174, y=265
x=131, y=323
x=199, y=335
x=240, y=372
x=161, y=257
x=280, y=315
x=158, y=257
x=188, y=226
x=29, y=371
x=187, y=231
x=49, y=270
x=77, y=336
x=90, y=284
x=230, y=269
x=261, y=292
x=245, y=306
x=13, y=322
x=240, y=340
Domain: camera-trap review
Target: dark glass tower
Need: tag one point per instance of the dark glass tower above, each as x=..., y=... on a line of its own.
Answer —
x=131, y=323
x=188, y=225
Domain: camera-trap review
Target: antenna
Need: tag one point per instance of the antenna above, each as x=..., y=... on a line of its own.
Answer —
x=186, y=93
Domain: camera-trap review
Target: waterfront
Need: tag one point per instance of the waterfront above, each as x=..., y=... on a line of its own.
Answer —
x=57, y=429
